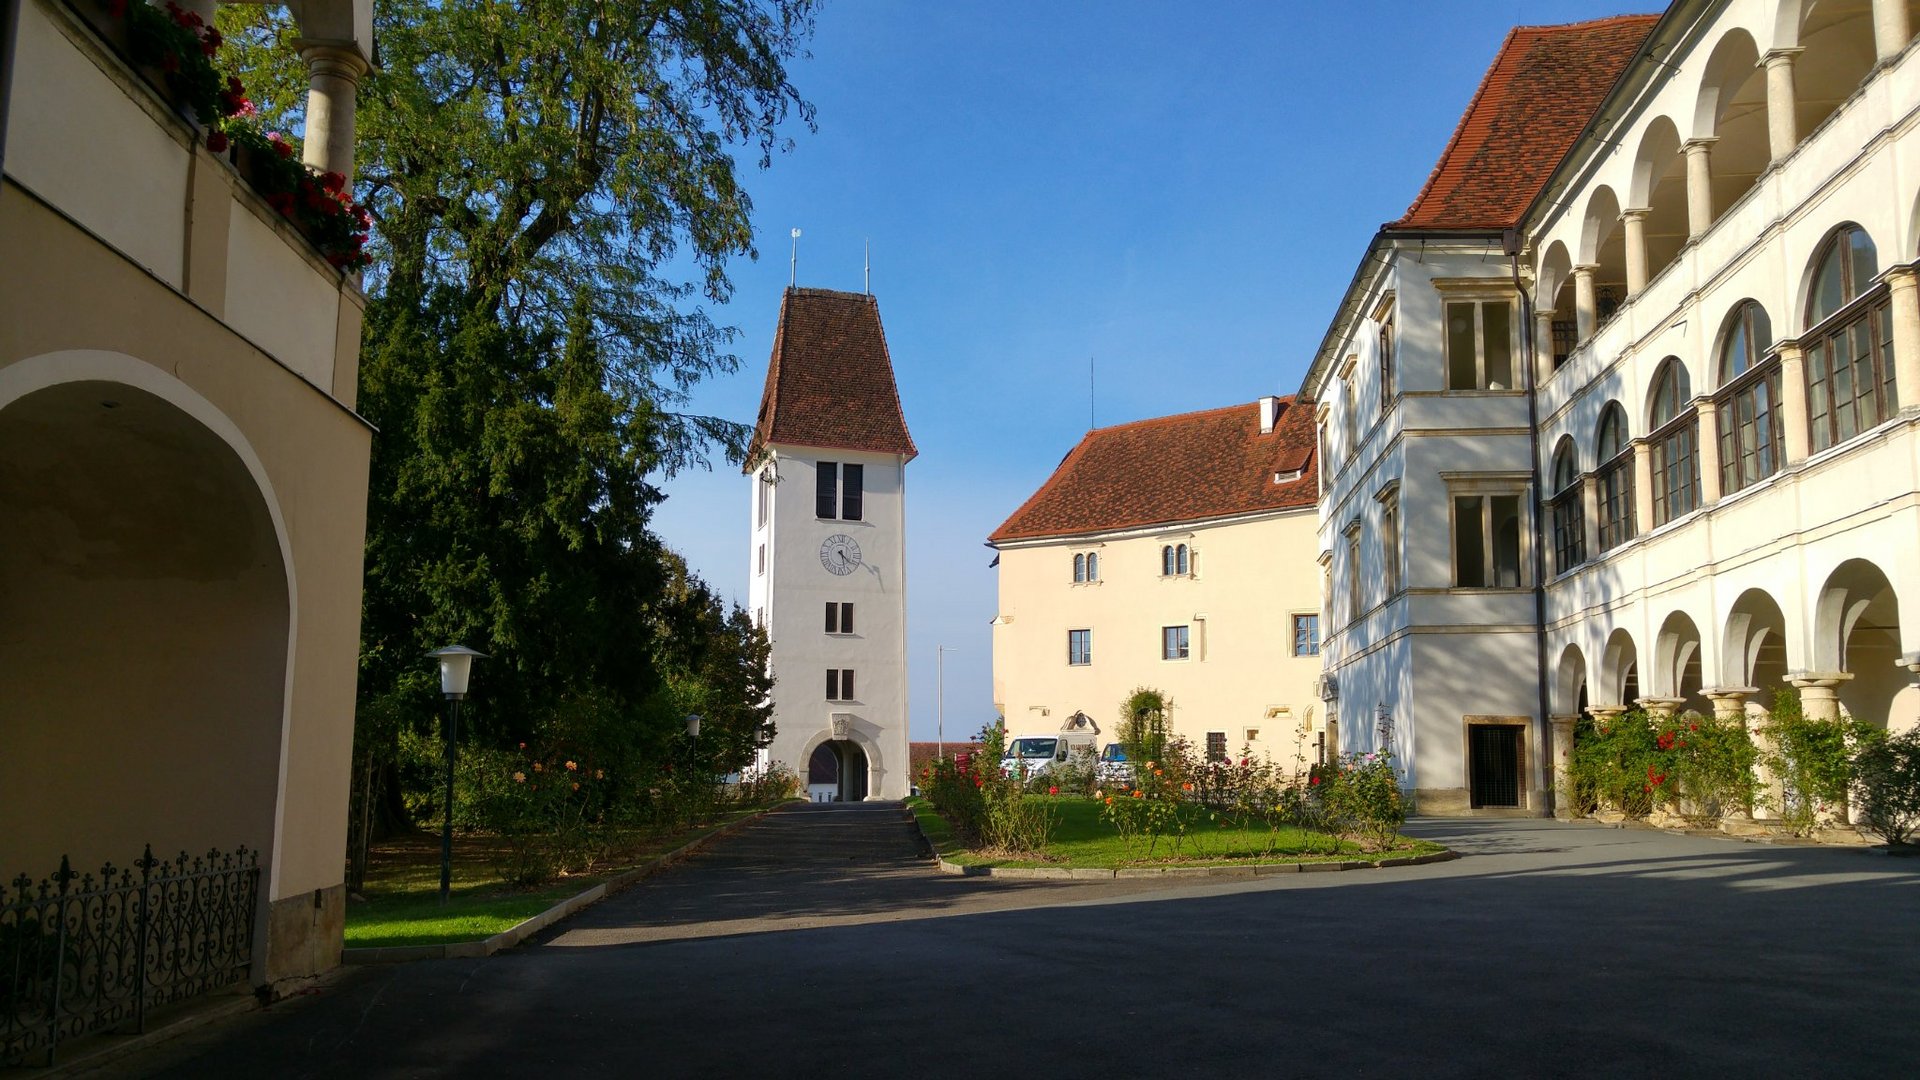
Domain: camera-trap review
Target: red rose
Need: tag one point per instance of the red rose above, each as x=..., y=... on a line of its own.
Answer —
x=1053, y=791
x=1314, y=780
x=332, y=181
x=217, y=141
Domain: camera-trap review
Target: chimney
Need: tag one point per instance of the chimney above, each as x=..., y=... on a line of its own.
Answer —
x=1269, y=413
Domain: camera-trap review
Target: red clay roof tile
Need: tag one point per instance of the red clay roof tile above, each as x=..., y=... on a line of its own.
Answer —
x=830, y=379
x=1190, y=467
x=1532, y=104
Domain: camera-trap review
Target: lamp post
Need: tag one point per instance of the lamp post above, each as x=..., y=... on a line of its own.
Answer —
x=456, y=666
x=940, y=697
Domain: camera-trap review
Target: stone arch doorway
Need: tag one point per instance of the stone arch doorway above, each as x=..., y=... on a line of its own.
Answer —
x=1857, y=632
x=837, y=772
x=145, y=629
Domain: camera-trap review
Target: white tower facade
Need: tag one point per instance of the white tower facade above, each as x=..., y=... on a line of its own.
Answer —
x=828, y=573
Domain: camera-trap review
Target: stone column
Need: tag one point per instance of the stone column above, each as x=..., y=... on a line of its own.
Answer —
x=1904, y=285
x=1585, y=307
x=334, y=69
x=1730, y=707
x=1635, y=221
x=1699, y=185
x=1783, y=128
x=1820, y=701
x=1660, y=709
x=1642, y=487
x=1891, y=30
x=1542, y=346
x=1562, y=757
x=1707, y=453
x=1604, y=717
x=1590, y=515
x=1795, y=430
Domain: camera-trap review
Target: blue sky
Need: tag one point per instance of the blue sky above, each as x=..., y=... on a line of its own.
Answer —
x=1179, y=191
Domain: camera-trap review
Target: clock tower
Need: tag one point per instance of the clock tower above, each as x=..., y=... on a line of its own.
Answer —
x=828, y=470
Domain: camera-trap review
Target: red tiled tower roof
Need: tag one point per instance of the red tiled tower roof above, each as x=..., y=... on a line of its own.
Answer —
x=1189, y=467
x=1536, y=99
x=830, y=379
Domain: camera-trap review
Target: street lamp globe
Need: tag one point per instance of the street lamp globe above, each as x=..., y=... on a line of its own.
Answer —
x=693, y=725
x=456, y=666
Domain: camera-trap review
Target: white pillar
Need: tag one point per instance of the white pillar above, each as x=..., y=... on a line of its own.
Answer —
x=1542, y=345
x=1584, y=307
x=1795, y=430
x=1891, y=30
x=1820, y=701
x=1783, y=128
x=334, y=69
x=1635, y=221
x=1642, y=487
x=1562, y=758
x=1708, y=452
x=1904, y=285
x=1699, y=185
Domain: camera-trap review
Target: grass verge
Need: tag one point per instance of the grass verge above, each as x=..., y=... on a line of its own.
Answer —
x=401, y=904
x=1082, y=840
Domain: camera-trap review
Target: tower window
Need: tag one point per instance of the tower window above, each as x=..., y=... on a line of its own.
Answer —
x=839, y=618
x=838, y=491
x=839, y=684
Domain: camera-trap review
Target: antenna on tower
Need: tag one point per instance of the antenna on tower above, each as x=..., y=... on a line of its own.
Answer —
x=793, y=262
x=1089, y=391
x=869, y=275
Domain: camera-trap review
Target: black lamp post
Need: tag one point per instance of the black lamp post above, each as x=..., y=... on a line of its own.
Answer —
x=456, y=666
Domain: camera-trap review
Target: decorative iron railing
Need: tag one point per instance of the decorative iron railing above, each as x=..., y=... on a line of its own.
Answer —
x=80, y=954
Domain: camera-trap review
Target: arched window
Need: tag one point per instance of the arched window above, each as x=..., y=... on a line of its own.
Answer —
x=1079, y=568
x=1093, y=566
x=1166, y=560
x=1849, y=346
x=1569, y=517
x=1674, y=443
x=1613, y=479
x=1181, y=564
x=1748, y=404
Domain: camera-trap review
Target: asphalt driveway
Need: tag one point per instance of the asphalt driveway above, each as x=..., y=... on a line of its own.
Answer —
x=819, y=946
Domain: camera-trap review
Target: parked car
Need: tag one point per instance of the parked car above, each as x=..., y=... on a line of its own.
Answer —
x=1114, y=768
x=1033, y=754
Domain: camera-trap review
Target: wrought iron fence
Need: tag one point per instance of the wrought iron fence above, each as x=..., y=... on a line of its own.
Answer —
x=80, y=953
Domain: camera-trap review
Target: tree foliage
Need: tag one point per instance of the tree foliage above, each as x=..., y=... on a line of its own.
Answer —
x=554, y=193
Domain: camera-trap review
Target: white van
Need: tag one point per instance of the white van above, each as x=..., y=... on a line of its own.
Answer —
x=1033, y=753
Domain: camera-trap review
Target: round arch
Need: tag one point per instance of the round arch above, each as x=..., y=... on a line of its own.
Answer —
x=1570, y=697
x=1658, y=185
x=1731, y=108
x=1677, y=662
x=1857, y=630
x=1619, y=671
x=1754, y=649
x=144, y=540
x=863, y=740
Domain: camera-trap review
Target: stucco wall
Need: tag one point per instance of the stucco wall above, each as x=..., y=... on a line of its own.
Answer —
x=1252, y=577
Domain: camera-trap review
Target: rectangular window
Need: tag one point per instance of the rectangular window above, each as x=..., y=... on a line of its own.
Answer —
x=1752, y=445
x=852, y=483
x=1216, y=746
x=1079, y=647
x=1676, y=470
x=1306, y=635
x=1613, y=490
x=1850, y=385
x=1386, y=365
x=1390, y=543
x=826, y=489
x=839, y=618
x=1173, y=643
x=764, y=489
x=1569, y=529
x=1486, y=541
x=839, y=684
x=761, y=567
x=1356, y=587
x=1480, y=345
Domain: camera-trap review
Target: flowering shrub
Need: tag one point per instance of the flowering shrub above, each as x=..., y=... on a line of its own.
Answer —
x=1704, y=767
x=321, y=206
x=1814, y=760
x=1360, y=797
x=986, y=807
x=552, y=814
x=1616, y=764
x=1887, y=780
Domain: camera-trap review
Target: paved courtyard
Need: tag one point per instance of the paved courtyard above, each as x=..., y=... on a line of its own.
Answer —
x=816, y=945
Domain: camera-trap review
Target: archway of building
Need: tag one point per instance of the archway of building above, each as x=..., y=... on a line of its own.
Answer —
x=1619, y=671
x=1569, y=696
x=841, y=765
x=145, y=621
x=1836, y=37
x=1754, y=647
x=1660, y=188
x=1857, y=630
x=1555, y=295
x=1603, y=246
x=1677, y=664
x=1731, y=109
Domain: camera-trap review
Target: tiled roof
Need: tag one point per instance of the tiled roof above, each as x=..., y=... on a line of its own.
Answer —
x=1533, y=103
x=830, y=379
x=1190, y=467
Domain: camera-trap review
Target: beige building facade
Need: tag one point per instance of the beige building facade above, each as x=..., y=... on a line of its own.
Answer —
x=1216, y=604
x=182, y=484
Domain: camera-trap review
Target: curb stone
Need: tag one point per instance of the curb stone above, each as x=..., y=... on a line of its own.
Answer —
x=521, y=931
x=1030, y=873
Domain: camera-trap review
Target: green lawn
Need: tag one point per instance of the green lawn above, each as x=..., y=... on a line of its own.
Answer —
x=1081, y=840
x=402, y=902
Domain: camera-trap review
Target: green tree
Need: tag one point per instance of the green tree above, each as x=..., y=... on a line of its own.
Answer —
x=1143, y=724
x=554, y=194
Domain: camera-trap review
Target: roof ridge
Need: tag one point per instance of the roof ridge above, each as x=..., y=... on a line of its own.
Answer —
x=1460, y=127
x=1286, y=399
x=837, y=294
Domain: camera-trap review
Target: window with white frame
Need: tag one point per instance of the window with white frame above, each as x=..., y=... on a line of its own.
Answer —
x=1356, y=602
x=839, y=493
x=1086, y=567
x=1489, y=534
x=1567, y=510
x=1752, y=442
x=1480, y=344
x=1176, y=560
x=764, y=491
x=1173, y=643
x=1306, y=634
x=1386, y=363
x=1390, y=553
x=1613, y=479
x=1350, y=412
x=1079, y=648
x=1673, y=443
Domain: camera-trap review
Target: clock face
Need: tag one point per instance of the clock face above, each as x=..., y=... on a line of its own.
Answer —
x=839, y=554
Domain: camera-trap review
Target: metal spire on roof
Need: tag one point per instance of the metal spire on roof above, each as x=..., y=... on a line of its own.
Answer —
x=793, y=262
